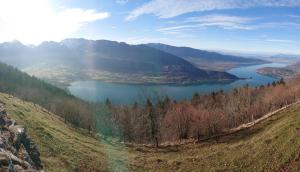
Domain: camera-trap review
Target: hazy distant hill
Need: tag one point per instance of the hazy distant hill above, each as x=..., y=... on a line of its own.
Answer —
x=286, y=56
x=205, y=59
x=105, y=60
x=281, y=72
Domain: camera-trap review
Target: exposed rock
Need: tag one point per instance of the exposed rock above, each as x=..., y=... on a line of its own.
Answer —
x=17, y=151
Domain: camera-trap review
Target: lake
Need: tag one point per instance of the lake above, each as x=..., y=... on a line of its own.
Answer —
x=98, y=91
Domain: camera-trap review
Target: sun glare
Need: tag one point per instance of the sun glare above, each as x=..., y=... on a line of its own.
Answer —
x=34, y=21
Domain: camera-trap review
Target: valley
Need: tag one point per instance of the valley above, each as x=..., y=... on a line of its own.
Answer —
x=116, y=62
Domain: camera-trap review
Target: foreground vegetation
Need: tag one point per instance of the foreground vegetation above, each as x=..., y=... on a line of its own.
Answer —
x=271, y=145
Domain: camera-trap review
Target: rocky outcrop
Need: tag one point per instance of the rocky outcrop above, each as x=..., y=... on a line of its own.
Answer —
x=17, y=151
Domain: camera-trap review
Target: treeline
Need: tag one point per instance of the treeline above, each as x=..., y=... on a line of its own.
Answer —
x=201, y=117
x=56, y=100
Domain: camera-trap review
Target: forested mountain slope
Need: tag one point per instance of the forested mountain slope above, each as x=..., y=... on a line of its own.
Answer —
x=20, y=84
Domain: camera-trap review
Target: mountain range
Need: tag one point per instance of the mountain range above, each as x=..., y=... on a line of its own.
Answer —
x=206, y=59
x=78, y=59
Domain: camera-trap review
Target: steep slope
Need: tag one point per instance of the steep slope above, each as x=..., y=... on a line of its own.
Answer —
x=271, y=145
x=17, y=151
x=105, y=60
x=62, y=147
x=206, y=59
x=74, y=110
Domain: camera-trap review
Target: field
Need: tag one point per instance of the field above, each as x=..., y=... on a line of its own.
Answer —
x=272, y=145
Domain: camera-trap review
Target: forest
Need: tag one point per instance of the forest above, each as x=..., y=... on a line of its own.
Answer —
x=157, y=121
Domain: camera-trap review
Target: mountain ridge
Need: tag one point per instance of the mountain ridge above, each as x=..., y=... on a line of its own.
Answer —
x=110, y=61
x=206, y=59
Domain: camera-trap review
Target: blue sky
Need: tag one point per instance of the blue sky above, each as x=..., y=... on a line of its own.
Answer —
x=269, y=26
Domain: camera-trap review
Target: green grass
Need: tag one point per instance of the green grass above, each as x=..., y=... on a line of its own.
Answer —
x=62, y=147
x=268, y=146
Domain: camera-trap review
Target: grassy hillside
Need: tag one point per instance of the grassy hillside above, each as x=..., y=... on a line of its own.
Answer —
x=62, y=147
x=269, y=146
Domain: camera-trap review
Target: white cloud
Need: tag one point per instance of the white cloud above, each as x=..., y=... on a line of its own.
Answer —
x=173, y=8
x=34, y=21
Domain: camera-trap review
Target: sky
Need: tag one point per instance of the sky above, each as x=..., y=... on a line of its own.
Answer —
x=252, y=26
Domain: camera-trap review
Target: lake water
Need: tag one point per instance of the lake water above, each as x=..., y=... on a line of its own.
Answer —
x=98, y=91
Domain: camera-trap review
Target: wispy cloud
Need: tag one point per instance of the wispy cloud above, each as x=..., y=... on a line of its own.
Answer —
x=294, y=16
x=122, y=2
x=33, y=21
x=173, y=8
x=285, y=41
x=227, y=22
x=176, y=29
x=282, y=25
x=219, y=18
x=142, y=40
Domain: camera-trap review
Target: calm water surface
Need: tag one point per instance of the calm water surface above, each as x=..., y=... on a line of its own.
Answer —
x=97, y=91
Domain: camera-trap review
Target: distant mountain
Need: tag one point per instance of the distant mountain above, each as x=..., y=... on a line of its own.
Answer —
x=285, y=58
x=287, y=72
x=206, y=59
x=106, y=60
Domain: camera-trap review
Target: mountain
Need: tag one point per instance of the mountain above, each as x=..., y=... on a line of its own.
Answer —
x=205, y=59
x=271, y=145
x=105, y=60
